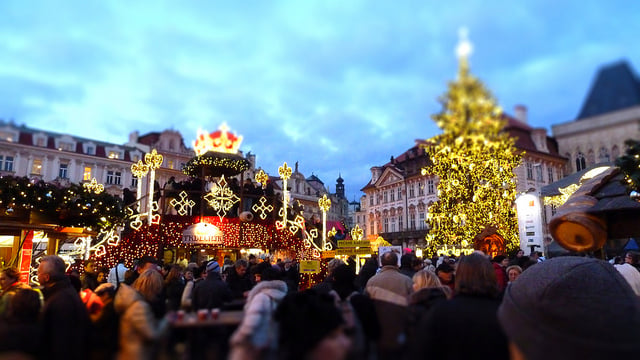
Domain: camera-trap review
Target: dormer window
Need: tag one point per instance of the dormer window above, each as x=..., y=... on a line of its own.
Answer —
x=8, y=134
x=40, y=140
x=65, y=143
x=114, y=153
x=89, y=148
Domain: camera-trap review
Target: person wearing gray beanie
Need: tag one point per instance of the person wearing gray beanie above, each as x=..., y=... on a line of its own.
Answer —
x=571, y=308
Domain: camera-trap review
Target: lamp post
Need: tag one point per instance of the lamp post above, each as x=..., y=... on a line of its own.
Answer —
x=153, y=160
x=139, y=170
x=324, y=203
x=285, y=174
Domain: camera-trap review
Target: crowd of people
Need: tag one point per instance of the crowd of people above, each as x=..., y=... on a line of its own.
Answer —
x=396, y=307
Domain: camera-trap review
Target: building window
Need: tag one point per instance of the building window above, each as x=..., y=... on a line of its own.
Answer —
x=114, y=155
x=8, y=163
x=420, y=189
x=581, y=162
x=393, y=224
x=136, y=158
x=412, y=192
x=604, y=155
x=134, y=181
x=529, y=171
x=539, y=173
x=393, y=195
x=399, y=193
x=65, y=146
x=412, y=222
x=550, y=173
x=91, y=150
x=400, y=222
x=430, y=186
x=371, y=201
x=114, y=177
x=170, y=164
x=421, y=219
x=385, y=197
x=36, y=167
x=591, y=157
x=553, y=210
x=86, y=175
x=386, y=224
x=372, y=228
x=62, y=173
x=41, y=141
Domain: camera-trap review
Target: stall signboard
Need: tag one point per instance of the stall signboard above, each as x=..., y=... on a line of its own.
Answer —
x=328, y=254
x=353, y=251
x=25, y=259
x=309, y=266
x=202, y=234
x=353, y=243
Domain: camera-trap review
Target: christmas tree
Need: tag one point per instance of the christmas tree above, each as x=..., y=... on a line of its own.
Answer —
x=474, y=161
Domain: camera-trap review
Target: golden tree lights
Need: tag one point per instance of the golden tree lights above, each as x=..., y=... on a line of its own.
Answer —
x=325, y=204
x=474, y=161
x=94, y=186
x=139, y=170
x=153, y=160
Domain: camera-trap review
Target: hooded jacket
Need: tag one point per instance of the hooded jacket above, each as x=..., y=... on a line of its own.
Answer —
x=258, y=327
x=138, y=328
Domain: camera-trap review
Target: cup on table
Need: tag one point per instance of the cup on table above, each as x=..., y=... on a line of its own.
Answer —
x=180, y=315
x=215, y=313
x=203, y=314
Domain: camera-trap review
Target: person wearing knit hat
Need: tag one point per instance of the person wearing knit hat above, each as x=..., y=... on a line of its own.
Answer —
x=571, y=308
x=211, y=292
x=213, y=266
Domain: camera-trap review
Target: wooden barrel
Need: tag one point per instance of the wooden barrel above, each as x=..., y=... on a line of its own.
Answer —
x=577, y=230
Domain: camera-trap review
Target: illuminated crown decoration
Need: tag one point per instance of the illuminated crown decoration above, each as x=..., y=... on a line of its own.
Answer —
x=221, y=141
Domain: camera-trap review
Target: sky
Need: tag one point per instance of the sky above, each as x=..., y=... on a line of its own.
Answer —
x=338, y=86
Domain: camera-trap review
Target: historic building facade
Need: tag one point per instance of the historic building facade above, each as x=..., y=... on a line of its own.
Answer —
x=398, y=196
x=609, y=116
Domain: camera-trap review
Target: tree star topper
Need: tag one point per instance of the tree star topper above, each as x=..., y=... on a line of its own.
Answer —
x=221, y=141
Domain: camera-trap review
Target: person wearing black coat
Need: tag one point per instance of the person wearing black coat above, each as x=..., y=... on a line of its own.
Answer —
x=211, y=292
x=64, y=316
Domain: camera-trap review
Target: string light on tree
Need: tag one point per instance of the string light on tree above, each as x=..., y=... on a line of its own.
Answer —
x=94, y=186
x=474, y=161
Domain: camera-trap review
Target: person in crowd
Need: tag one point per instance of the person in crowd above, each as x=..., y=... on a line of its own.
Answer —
x=212, y=292
x=174, y=287
x=445, y=273
x=427, y=292
x=513, y=272
x=358, y=312
x=238, y=280
x=428, y=265
x=105, y=343
x=473, y=309
x=145, y=263
x=116, y=274
x=326, y=339
x=571, y=308
x=290, y=274
x=256, y=337
x=406, y=264
x=389, y=290
x=326, y=285
x=499, y=263
x=102, y=276
x=632, y=259
x=182, y=261
x=367, y=271
x=199, y=274
x=63, y=316
x=20, y=330
x=9, y=285
x=89, y=278
x=517, y=260
x=632, y=276
x=139, y=329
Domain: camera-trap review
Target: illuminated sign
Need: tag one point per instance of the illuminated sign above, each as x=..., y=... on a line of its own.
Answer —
x=529, y=222
x=202, y=234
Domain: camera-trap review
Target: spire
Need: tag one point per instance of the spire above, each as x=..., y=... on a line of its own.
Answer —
x=463, y=51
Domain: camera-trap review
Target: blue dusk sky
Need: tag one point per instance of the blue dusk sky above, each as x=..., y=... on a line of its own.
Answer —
x=339, y=86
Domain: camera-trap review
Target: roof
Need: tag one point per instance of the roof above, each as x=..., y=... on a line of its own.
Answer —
x=314, y=178
x=615, y=87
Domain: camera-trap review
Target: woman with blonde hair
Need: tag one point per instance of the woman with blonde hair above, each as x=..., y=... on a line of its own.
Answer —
x=427, y=291
x=139, y=330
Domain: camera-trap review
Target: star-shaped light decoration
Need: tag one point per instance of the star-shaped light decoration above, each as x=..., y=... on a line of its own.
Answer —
x=262, y=207
x=221, y=198
x=184, y=205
